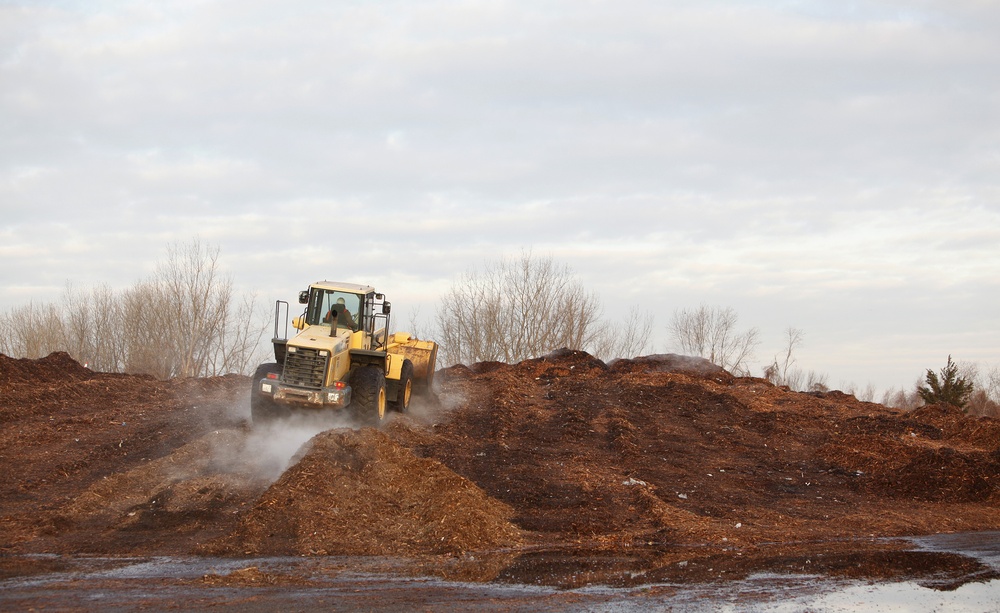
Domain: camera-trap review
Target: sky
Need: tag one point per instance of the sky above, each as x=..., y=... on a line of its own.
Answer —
x=832, y=166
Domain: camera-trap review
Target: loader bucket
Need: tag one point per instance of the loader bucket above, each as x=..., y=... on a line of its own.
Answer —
x=423, y=355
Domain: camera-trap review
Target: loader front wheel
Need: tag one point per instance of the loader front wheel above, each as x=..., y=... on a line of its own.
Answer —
x=263, y=409
x=368, y=395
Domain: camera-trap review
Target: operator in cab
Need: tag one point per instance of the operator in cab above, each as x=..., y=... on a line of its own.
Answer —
x=344, y=318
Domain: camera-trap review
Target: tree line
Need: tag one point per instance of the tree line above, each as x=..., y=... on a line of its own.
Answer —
x=514, y=309
x=520, y=308
x=185, y=320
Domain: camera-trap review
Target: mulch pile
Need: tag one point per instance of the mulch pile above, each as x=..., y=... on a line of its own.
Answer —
x=360, y=493
x=672, y=450
x=111, y=463
x=563, y=450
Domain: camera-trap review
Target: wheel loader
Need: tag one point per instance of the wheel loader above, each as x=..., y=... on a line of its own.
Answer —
x=342, y=359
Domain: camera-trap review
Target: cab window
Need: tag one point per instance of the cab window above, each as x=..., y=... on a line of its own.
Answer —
x=324, y=304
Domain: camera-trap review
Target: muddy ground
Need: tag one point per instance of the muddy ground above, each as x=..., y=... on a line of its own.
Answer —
x=562, y=470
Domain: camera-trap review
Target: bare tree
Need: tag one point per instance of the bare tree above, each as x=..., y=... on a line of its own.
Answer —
x=710, y=332
x=993, y=383
x=816, y=382
x=980, y=403
x=147, y=343
x=626, y=339
x=92, y=331
x=415, y=325
x=983, y=398
x=194, y=315
x=991, y=386
x=108, y=342
x=6, y=335
x=195, y=300
x=780, y=372
x=867, y=394
x=239, y=342
x=901, y=398
x=76, y=317
x=516, y=309
x=33, y=331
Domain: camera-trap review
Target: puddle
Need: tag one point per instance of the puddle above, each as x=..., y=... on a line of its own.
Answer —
x=943, y=572
x=901, y=597
x=984, y=546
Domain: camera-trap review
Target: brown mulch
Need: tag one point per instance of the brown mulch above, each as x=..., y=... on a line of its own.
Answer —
x=558, y=451
x=361, y=493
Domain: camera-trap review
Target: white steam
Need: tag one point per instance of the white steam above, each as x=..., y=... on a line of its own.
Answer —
x=268, y=449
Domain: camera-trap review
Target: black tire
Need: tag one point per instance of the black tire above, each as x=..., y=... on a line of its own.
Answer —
x=368, y=395
x=263, y=410
x=404, y=389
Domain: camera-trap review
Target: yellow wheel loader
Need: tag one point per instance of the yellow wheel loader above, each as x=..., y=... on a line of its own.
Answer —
x=343, y=359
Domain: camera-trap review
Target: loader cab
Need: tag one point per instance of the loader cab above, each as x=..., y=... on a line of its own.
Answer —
x=358, y=308
x=324, y=306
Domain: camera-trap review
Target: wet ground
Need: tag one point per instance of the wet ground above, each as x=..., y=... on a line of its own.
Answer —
x=957, y=572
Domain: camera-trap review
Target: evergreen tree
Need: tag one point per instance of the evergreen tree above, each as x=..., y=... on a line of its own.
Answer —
x=948, y=388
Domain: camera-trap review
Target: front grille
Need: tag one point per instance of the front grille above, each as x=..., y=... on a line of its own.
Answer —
x=304, y=368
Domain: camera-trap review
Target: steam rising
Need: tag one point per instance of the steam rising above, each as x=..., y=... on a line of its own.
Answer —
x=269, y=449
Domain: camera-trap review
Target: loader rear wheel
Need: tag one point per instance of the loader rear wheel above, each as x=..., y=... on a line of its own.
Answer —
x=368, y=395
x=263, y=410
x=404, y=390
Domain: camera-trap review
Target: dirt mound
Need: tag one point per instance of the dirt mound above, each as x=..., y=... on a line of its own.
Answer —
x=360, y=493
x=914, y=469
x=671, y=362
x=58, y=366
x=67, y=430
x=669, y=450
x=958, y=427
x=934, y=453
x=181, y=494
x=560, y=451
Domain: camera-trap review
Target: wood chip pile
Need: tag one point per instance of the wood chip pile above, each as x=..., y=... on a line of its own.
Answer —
x=360, y=493
x=563, y=451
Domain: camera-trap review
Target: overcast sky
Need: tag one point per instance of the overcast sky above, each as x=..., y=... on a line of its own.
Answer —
x=828, y=165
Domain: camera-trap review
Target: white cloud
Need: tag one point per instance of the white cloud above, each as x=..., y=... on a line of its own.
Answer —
x=759, y=154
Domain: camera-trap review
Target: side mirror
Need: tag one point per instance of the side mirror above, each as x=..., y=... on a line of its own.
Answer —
x=304, y=296
x=386, y=307
x=299, y=323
